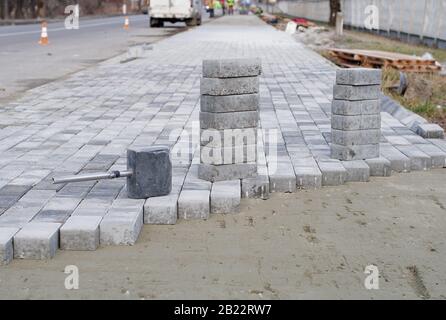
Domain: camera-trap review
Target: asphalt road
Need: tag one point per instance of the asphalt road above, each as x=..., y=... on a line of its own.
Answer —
x=25, y=64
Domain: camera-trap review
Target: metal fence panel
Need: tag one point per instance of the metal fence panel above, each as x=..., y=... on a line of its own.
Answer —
x=418, y=18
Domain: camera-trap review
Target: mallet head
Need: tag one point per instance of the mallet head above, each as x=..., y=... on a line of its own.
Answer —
x=151, y=169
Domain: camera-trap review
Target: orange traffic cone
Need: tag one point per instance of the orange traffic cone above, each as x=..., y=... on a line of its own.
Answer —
x=126, y=23
x=44, y=35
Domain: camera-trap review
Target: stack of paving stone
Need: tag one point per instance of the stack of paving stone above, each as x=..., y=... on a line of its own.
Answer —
x=356, y=119
x=228, y=119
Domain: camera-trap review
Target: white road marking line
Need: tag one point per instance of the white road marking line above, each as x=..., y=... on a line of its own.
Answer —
x=60, y=29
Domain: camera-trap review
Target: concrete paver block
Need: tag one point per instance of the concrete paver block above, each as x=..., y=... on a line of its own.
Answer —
x=418, y=159
x=308, y=178
x=282, y=178
x=161, y=210
x=354, y=108
x=37, y=241
x=379, y=167
x=233, y=103
x=229, y=86
x=232, y=68
x=230, y=120
x=430, y=131
x=355, y=152
x=80, y=233
x=194, y=204
x=358, y=76
x=92, y=207
x=354, y=93
x=440, y=143
x=228, y=137
x=231, y=155
x=355, y=137
x=256, y=187
x=225, y=197
x=360, y=122
x=227, y=171
x=357, y=171
x=122, y=224
x=437, y=155
x=333, y=172
x=399, y=162
x=6, y=245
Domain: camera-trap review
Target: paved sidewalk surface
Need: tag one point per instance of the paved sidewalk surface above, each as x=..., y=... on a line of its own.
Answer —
x=86, y=122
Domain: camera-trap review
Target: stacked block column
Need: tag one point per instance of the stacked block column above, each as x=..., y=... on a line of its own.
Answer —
x=356, y=119
x=228, y=119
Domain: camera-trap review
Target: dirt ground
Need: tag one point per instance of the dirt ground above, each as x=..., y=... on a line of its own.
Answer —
x=312, y=244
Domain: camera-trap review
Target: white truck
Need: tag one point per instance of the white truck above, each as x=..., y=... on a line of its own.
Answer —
x=188, y=11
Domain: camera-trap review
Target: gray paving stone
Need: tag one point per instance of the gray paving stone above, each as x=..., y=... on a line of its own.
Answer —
x=430, y=131
x=357, y=171
x=418, y=159
x=101, y=162
x=37, y=241
x=355, y=152
x=230, y=120
x=379, y=167
x=256, y=187
x=225, y=197
x=398, y=141
x=232, y=68
x=37, y=197
x=6, y=245
x=439, y=143
x=231, y=155
x=194, y=204
x=360, y=122
x=399, y=161
x=355, y=137
x=228, y=137
x=123, y=222
x=437, y=155
x=10, y=194
x=161, y=210
x=333, y=172
x=358, y=76
x=55, y=216
x=193, y=182
x=92, y=207
x=283, y=179
x=80, y=233
x=354, y=93
x=233, y=103
x=74, y=190
x=229, y=86
x=106, y=189
x=308, y=178
x=227, y=171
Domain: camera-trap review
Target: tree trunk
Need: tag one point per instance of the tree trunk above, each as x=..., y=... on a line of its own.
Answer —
x=32, y=8
x=19, y=9
x=5, y=9
x=40, y=9
x=335, y=7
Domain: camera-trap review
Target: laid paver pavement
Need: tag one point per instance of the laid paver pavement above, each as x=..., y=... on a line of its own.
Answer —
x=86, y=123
